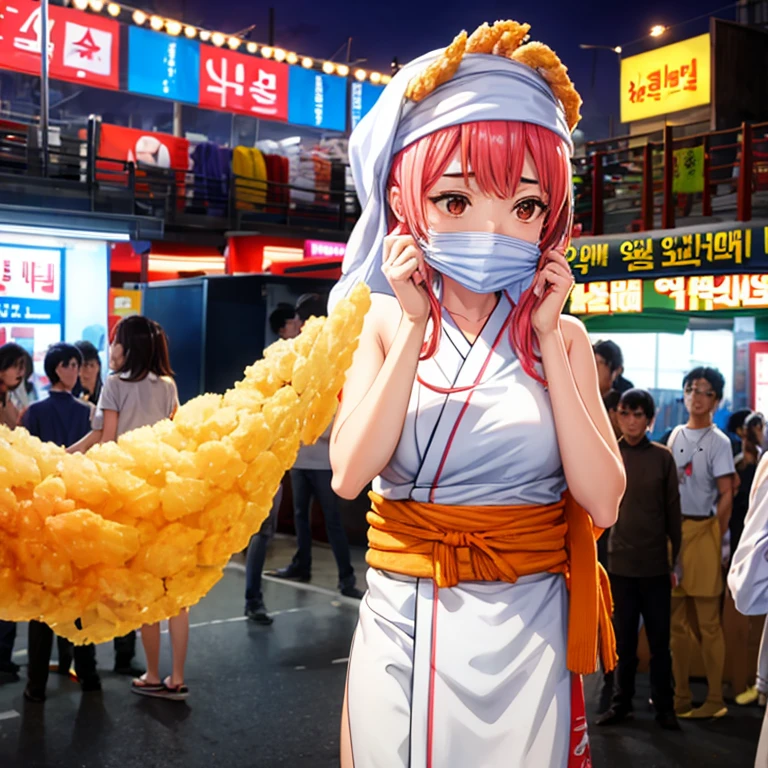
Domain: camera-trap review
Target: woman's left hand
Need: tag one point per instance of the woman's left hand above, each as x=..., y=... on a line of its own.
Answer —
x=552, y=286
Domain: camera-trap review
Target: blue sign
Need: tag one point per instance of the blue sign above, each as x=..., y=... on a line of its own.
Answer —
x=32, y=311
x=317, y=100
x=164, y=66
x=364, y=96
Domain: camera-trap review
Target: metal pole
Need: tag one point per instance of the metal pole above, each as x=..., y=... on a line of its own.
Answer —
x=44, y=83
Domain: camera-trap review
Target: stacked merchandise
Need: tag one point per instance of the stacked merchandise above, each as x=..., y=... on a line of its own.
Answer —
x=250, y=171
x=213, y=175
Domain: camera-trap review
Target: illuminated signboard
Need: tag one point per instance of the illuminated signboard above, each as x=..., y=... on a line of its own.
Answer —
x=83, y=47
x=320, y=249
x=317, y=100
x=666, y=80
x=362, y=99
x=164, y=66
x=727, y=249
x=699, y=293
x=30, y=285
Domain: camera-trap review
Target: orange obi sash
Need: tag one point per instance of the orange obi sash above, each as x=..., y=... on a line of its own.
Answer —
x=451, y=544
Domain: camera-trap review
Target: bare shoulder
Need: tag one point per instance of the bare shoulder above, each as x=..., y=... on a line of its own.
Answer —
x=383, y=318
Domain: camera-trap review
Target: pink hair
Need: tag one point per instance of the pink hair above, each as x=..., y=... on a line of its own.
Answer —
x=494, y=151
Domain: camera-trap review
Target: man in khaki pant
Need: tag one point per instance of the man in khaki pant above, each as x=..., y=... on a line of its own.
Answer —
x=705, y=467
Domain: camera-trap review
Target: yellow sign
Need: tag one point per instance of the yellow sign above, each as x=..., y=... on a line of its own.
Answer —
x=705, y=292
x=607, y=298
x=123, y=302
x=688, y=173
x=666, y=80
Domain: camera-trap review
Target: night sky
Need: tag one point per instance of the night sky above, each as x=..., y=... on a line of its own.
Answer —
x=382, y=29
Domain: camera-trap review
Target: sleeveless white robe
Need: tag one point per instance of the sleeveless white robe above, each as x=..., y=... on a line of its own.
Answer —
x=500, y=693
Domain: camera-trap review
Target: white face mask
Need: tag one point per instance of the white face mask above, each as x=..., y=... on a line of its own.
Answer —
x=484, y=262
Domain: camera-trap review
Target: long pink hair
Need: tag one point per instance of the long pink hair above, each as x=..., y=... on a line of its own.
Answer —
x=495, y=152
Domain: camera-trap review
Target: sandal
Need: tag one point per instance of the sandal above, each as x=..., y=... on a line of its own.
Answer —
x=144, y=688
x=174, y=692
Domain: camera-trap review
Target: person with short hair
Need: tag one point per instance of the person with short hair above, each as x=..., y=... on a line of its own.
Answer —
x=610, y=367
x=63, y=420
x=311, y=478
x=639, y=564
x=705, y=467
x=283, y=321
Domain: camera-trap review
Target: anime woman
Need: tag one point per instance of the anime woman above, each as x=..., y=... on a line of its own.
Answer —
x=473, y=406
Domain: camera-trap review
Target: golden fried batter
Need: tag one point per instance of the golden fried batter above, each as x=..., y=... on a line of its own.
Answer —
x=139, y=529
x=542, y=58
x=440, y=71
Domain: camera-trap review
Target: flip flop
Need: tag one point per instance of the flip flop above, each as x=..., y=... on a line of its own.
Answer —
x=143, y=688
x=174, y=692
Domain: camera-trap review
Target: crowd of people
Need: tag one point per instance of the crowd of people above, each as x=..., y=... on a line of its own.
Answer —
x=667, y=557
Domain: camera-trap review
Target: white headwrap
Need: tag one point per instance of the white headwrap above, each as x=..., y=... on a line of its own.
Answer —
x=485, y=87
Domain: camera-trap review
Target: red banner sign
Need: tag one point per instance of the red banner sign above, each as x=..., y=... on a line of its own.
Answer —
x=234, y=82
x=144, y=148
x=82, y=48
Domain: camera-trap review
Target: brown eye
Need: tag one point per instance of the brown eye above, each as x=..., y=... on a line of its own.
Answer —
x=529, y=210
x=452, y=204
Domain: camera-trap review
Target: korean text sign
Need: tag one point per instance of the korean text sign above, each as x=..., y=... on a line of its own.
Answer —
x=83, y=48
x=666, y=80
x=364, y=96
x=703, y=251
x=317, y=100
x=162, y=65
x=30, y=284
x=697, y=293
x=234, y=82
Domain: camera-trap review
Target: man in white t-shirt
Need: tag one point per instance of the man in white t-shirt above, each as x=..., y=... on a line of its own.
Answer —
x=704, y=460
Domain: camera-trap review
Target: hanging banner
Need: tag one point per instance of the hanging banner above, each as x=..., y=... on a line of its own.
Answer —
x=234, y=82
x=705, y=250
x=164, y=66
x=666, y=80
x=145, y=148
x=317, y=100
x=83, y=48
x=688, y=171
x=364, y=96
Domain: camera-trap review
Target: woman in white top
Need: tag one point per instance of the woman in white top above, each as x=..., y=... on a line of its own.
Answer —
x=139, y=393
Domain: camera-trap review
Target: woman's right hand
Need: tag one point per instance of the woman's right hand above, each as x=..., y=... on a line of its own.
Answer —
x=404, y=269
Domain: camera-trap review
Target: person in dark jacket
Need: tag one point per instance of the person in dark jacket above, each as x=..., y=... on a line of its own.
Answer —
x=639, y=563
x=63, y=420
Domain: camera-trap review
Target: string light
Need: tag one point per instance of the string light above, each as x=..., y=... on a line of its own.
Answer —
x=218, y=39
x=156, y=23
x=291, y=58
x=386, y=79
x=205, y=35
x=360, y=74
x=375, y=77
x=267, y=52
x=342, y=69
x=252, y=47
x=234, y=43
x=139, y=17
x=96, y=5
x=280, y=54
x=113, y=9
x=307, y=63
x=173, y=27
x=190, y=32
x=329, y=67
x=81, y=5
x=657, y=30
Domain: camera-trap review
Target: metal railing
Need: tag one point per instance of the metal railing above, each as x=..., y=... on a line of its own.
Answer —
x=624, y=184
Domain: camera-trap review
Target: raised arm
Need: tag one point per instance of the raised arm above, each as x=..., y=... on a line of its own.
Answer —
x=379, y=382
x=590, y=454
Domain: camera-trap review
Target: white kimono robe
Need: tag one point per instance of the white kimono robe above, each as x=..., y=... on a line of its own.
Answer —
x=472, y=675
